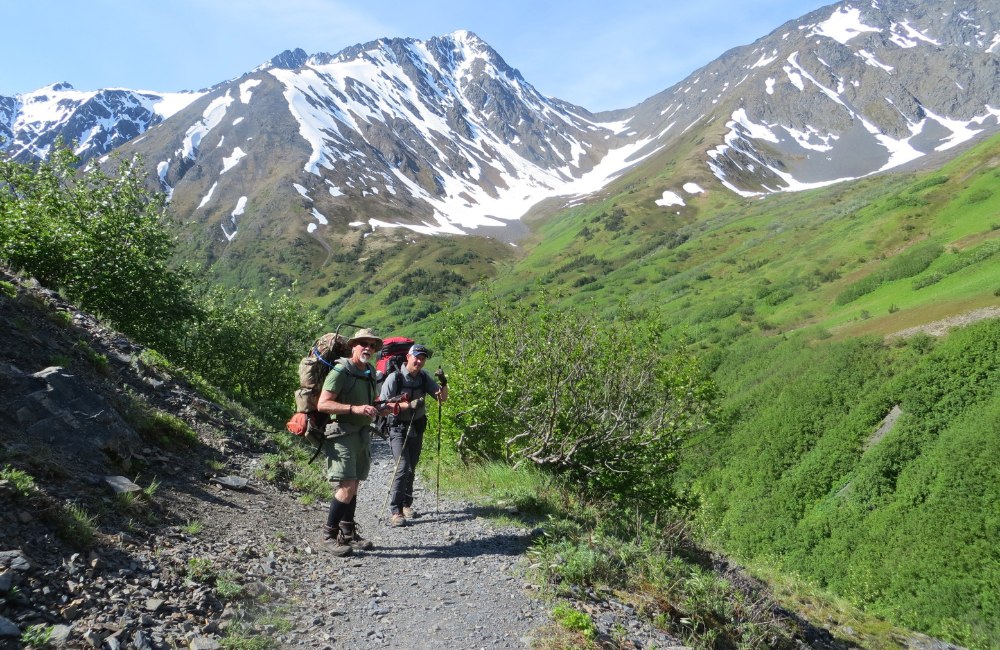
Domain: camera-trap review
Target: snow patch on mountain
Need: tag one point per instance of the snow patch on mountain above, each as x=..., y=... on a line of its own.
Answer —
x=231, y=161
x=320, y=218
x=161, y=171
x=910, y=37
x=245, y=89
x=669, y=198
x=692, y=188
x=208, y=197
x=301, y=190
x=843, y=25
x=211, y=117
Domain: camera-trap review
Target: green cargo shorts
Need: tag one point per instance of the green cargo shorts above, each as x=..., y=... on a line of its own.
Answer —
x=348, y=452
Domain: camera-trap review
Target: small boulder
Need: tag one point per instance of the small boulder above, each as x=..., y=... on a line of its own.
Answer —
x=8, y=629
x=154, y=604
x=16, y=561
x=121, y=485
x=6, y=581
x=204, y=643
x=231, y=482
x=60, y=636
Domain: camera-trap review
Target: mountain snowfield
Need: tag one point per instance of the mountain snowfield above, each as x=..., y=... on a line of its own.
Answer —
x=98, y=121
x=443, y=137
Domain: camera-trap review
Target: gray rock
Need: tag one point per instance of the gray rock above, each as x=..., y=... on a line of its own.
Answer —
x=141, y=641
x=154, y=604
x=6, y=581
x=93, y=637
x=121, y=485
x=204, y=643
x=16, y=561
x=76, y=420
x=231, y=482
x=112, y=643
x=8, y=629
x=60, y=636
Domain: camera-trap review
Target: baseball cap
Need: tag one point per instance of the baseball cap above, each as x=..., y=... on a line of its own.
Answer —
x=416, y=349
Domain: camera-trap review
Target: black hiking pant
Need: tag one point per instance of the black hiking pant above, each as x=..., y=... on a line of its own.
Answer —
x=401, y=495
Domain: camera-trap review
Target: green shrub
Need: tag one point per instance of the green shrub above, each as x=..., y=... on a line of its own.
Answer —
x=978, y=196
x=598, y=400
x=974, y=255
x=7, y=289
x=37, y=636
x=574, y=621
x=904, y=265
x=927, y=280
x=22, y=483
x=930, y=181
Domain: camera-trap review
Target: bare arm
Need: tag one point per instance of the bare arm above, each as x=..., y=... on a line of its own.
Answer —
x=328, y=404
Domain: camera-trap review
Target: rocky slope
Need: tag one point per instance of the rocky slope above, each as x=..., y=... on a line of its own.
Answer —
x=93, y=122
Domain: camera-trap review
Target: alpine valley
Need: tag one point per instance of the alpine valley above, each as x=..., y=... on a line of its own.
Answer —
x=288, y=168
x=816, y=213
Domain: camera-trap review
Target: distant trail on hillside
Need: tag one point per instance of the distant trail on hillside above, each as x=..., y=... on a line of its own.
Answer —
x=941, y=327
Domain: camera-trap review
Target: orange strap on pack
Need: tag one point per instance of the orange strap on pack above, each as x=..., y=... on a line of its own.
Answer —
x=298, y=424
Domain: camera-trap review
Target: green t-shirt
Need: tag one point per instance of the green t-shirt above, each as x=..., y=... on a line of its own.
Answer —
x=360, y=389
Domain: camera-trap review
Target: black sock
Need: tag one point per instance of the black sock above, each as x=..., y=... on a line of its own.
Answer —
x=338, y=512
x=351, y=508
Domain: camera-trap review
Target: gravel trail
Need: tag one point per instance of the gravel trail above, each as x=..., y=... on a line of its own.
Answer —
x=444, y=581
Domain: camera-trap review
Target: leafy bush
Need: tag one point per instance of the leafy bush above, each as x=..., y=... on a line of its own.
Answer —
x=904, y=265
x=930, y=181
x=598, y=400
x=978, y=196
x=974, y=255
x=22, y=483
x=574, y=621
x=103, y=240
x=927, y=280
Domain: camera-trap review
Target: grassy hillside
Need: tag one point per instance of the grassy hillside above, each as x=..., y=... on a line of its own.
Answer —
x=793, y=299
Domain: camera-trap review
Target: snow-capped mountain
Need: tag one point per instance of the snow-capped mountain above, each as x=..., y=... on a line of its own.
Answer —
x=98, y=121
x=848, y=90
x=441, y=136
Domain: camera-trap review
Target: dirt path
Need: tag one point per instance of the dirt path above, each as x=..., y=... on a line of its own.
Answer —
x=446, y=581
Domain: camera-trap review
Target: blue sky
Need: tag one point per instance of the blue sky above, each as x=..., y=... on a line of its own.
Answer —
x=598, y=54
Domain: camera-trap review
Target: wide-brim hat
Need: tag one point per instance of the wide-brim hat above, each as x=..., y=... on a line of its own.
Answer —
x=365, y=334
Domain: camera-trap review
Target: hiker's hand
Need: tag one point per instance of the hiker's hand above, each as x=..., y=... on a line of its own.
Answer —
x=366, y=410
x=386, y=410
x=417, y=403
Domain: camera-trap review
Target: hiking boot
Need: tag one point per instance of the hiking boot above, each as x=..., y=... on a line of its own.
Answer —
x=398, y=520
x=335, y=542
x=351, y=533
x=410, y=512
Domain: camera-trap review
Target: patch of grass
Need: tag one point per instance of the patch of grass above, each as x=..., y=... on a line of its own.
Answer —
x=94, y=358
x=7, y=289
x=22, y=483
x=62, y=360
x=61, y=318
x=200, y=569
x=192, y=526
x=129, y=503
x=37, y=636
x=574, y=621
x=76, y=526
x=217, y=465
x=150, y=489
x=227, y=586
x=157, y=426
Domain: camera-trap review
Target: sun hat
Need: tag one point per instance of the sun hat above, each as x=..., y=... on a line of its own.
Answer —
x=365, y=334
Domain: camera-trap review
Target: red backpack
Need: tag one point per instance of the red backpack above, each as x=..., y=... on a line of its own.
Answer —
x=392, y=356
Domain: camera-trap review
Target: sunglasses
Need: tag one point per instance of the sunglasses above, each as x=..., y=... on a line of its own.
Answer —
x=368, y=344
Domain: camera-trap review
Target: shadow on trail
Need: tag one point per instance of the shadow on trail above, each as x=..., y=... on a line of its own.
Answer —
x=512, y=545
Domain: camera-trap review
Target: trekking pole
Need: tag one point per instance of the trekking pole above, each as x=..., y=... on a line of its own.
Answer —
x=437, y=482
x=406, y=438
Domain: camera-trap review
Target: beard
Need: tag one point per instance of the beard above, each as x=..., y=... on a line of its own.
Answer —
x=365, y=356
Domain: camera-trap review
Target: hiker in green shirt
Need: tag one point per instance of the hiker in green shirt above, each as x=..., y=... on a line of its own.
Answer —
x=348, y=394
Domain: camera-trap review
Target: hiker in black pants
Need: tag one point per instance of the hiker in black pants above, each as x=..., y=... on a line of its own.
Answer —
x=406, y=430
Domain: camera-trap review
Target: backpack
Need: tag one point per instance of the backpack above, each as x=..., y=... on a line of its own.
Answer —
x=313, y=370
x=390, y=359
x=392, y=356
